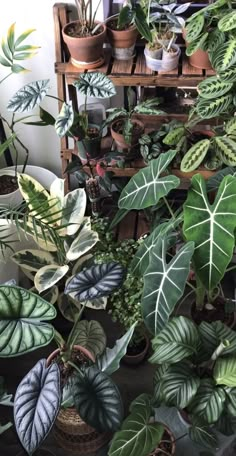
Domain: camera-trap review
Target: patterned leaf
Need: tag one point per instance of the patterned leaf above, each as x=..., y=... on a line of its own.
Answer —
x=29, y=96
x=91, y=336
x=96, y=85
x=97, y=400
x=226, y=148
x=207, y=109
x=164, y=284
x=85, y=240
x=196, y=44
x=21, y=327
x=36, y=404
x=65, y=119
x=146, y=188
x=228, y=75
x=211, y=227
x=230, y=126
x=173, y=137
x=48, y=276
x=225, y=56
x=195, y=156
x=213, y=87
x=215, y=39
x=33, y=259
x=208, y=402
x=99, y=280
x=158, y=380
x=212, y=334
x=177, y=341
x=74, y=205
x=194, y=28
x=204, y=436
x=227, y=22
x=225, y=371
x=179, y=385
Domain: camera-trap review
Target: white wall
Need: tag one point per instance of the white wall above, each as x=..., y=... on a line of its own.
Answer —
x=42, y=142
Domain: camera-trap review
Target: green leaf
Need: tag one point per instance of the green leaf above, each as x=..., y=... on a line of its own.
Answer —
x=46, y=117
x=225, y=371
x=230, y=126
x=23, y=36
x=211, y=227
x=226, y=148
x=213, y=87
x=95, y=84
x=5, y=62
x=128, y=130
x=196, y=44
x=164, y=283
x=141, y=23
x=29, y=96
x=147, y=187
x=177, y=341
x=6, y=51
x=195, y=156
x=174, y=136
x=109, y=362
x=225, y=56
x=15, y=68
x=5, y=145
x=214, y=40
x=207, y=109
x=97, y=400
x=22, y=326
x=227, y=22
x=91, y=336
x=125, y=17
x=228, y=75
x=179, y=385
x=32, y=259
x=212, y=334
x=158, y=380
x=48, y=276
x=204, y=436
x=208, y=403
x=194, y=28
x=65, y=119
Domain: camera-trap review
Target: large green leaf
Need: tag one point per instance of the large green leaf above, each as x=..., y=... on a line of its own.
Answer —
x=213, y=87
x=195, y=156
x=198, y=43
x=226, y=148
x=208, y=402
x=109, y=362
x=227, y=22
x=179, y=385
x=194, y=28
x=97, y=400
x=177, y=341
x=207, y=109
x=158, y=380
x=28, y=96
x=204, y=435
x=225, y=56
x=91, y=335
x=225, y=371
x=22, y=326
x=95, y=84
x=164, y=283
x=64, y=119
x=228, y=75
x=211, y=227
x=147, y=187
x=141, y=23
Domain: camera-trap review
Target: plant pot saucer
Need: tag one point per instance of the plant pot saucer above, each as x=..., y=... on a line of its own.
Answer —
x=88, y=66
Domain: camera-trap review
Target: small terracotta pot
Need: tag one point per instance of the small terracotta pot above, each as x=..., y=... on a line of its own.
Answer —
x=158, y=451
x=199, y=59
x=134, y=360
x=83, y=350
x=119, y=137
x=86, y=52
x=122, y=42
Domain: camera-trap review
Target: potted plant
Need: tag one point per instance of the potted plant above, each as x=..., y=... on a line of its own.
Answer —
x=6, y=400
x=196, y=369
x=69, y=377
x=85, y=37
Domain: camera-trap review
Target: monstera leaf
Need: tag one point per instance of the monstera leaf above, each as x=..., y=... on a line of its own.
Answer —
x=64, y=119
x=91, y=336
x=29, y=96
x=22, y=327
x=96, y=85
x=211, y=227
x=177, y=341
x=97, y=400
x=36, y=404
x=95, y=282
x=147, y=187
x=209, y=401
x=164, y=283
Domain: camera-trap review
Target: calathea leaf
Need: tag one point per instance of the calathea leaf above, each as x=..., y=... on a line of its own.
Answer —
x=207, y=109
x=83, y=242
x=21, y=321
x=195, y=156
x=213, y=87
x=230, y=126
x=91, y=335
x=48, y=276
x=226, y=147
x=208, y=402
x=179, y=385
x=215, y=39
x=194, y=28
x=225, y=371
x=196, y=44
x=212, y=334
x=164, y=283
x=109, y=362
x=225, y=56
x=173, y=137
x=212, y=227
x=229, y=74
x=159, y=377
x=226, y=424
x=97, y=400
x=36, y=405
x=177, y=341
x=227, y=22
x=95, y=84
x=147, y=187
x=64, y=119
x=204, y=435
x=28, y=96
x=97, y=281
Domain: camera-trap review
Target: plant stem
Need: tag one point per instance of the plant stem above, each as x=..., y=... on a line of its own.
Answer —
x=231, y=268
x=169, y=208
x=59, y=339
x=76, y=368
x=7, y=76
x=73, y=333
x=218, y=351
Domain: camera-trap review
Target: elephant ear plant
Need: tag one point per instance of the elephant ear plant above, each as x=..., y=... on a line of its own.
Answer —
x=67, y=380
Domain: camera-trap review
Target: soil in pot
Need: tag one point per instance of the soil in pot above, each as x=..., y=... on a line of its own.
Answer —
x=117, y=134
x=166, y=446
x=76, y=30
x=213, y=314
x=122, y=40
x=8, y=184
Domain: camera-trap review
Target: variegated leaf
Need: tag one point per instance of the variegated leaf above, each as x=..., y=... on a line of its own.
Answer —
x=29, y=96
x=48, y=276
x=65, y=119
x=209, y=401
x=95, y=84
x=32, y=260
x=73, y=210
x=85, y=240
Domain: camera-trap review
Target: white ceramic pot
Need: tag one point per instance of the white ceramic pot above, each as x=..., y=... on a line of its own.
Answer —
x=170, y=60
x=151, y=63
x=10, y=199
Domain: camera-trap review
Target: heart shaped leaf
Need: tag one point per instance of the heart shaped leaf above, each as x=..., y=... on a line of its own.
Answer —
x=36, y=405
x=48, y=275
x=91, y=336
x=29, y=96
x=64, y=119
x=95, y=84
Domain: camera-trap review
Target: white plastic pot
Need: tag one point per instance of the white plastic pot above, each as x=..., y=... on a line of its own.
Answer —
x=170, y=60
x=154, y=54
x=151, y=63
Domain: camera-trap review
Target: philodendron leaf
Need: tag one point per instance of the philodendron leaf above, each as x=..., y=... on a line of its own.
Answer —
x=97, y=400
x=204, y=435
x=64, y=119
x=95, y=84
x=33, y=259
x=211, y=227
x=109, y=362
x=95, y=282
x=147, y=187
x=208, y=403
x=29, y=96
x=22, y=326
x=164, y=283
x=225, y=371
x=177, y=341
x=48, y=276
x=83, y=242
x=91, y=335
x=36, y=405
x=179, y=385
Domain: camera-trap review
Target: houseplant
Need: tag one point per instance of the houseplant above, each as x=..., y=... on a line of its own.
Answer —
x=6, y=400
x=85, y=385
x=85, y=37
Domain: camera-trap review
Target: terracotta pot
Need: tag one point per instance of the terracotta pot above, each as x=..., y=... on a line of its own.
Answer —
x=158, y=451
x=119, y=137
x=122, y=42
x=83, y=350
x=134, y=360
x=86, y=52
x=199, y=59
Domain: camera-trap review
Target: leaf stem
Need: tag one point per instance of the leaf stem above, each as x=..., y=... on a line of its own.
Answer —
x=169, y=207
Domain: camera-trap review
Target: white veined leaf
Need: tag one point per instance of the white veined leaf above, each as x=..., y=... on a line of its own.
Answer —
x=64, y=119
x=47, y=276
x=73, y=210
x=85, y=240
x=95, y=84
x=28, y=96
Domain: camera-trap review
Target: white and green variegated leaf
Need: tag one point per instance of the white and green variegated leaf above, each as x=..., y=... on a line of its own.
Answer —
x=207, y=109
x=179, y=385
x=226, y=147
x=212, y=334
x=22, y=321
x=91, y=335
x=196, y=44
x=29, y=96
x=83, y=242
x=48, y=276
x=96, y=304
x=195, y=155
x=84, y=261
x=230, y=126
x=225, y=371
x=109, y=362
x=225, y=56
x=65, y=119
x=57, y=190
x=204, y=435
x=228, y=75
x=164, y=284
x=173, y=137
x=95, y=84
x=177, y=341
x=157, y=383
x=73, y=210
x=213, y=87
x=209, y=401
x=194, y=28
x=211, y=227
x=32, y=260
x=147, y=187
x=227, y=22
